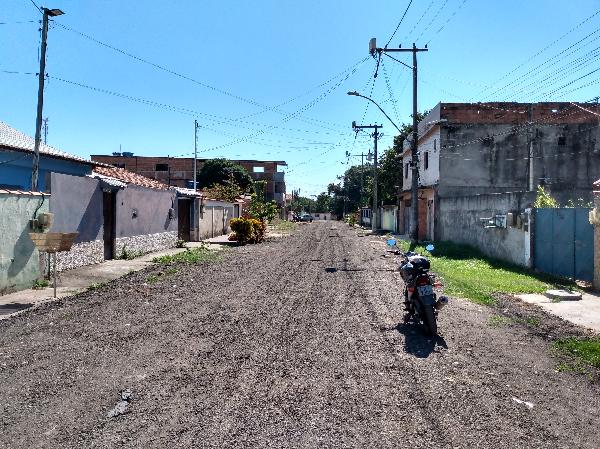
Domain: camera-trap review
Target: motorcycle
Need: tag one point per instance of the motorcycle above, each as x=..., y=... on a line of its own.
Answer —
x=420, y=300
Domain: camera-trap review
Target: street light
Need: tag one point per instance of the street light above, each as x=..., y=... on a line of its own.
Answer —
x=356, y=94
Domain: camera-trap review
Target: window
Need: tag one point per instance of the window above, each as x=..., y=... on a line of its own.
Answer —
x=406, y=170
x=120, y=165
x=162, y=167
x=258, y=169
x=426, y=160
x=562, y=140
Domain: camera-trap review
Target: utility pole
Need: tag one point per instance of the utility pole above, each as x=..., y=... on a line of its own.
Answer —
x=46, y=131
x=375, y=222
x=414, y=222
x=46, y=13
x=362, y=169
x=195, y=153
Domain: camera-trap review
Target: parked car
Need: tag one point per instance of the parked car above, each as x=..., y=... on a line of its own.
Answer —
x=307, y=217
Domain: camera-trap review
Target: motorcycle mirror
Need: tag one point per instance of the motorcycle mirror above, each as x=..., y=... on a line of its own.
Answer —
x=430, y=247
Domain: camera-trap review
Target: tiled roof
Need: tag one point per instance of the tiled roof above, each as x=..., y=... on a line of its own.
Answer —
x=13, y=139
x=129, y=177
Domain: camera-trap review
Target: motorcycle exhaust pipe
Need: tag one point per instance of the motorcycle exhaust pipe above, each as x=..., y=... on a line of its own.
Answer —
x=441, y=302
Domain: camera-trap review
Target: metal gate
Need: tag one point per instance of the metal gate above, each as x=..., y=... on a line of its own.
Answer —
x=564, y=243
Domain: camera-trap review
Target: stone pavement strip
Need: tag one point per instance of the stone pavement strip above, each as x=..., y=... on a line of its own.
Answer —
x=79, y=279
x=585, y=312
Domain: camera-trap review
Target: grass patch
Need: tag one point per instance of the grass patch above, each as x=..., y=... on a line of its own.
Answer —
x=189, y=256
x=96, y=286
x=499, y=320
x=40, y=284
x=284, y=226
x=583, y=350
x=469, y=274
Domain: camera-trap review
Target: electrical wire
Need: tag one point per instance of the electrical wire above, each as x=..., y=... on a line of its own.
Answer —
x=19, y=22
x=539, y=52
x=419, y=21
x=447, y=21
x=399, y=23
x=36, y=6
x=432, y=20
x=177, y=74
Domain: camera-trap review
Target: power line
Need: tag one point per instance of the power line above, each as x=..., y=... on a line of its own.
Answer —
x=447, y=21
x=544, y=49
x=419, y=21
x=36, y=6
x=177, y=74
x=399, y=23
x=432, y=20
x=19, y=22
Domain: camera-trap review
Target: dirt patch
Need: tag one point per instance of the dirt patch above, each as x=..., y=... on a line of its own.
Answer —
x=297, y=342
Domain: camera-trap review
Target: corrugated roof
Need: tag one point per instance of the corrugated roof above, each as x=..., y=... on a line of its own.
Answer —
x=13, y=139
x=188, y=192
x=129, y=177
x=23, y=192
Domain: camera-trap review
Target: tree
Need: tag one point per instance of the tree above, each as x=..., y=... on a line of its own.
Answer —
x=260, y=208
x=323, y=203
x=222, y=171
x=390, y=164
x=228, y=191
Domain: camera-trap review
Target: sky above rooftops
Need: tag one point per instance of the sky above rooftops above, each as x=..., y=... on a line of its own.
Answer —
x=268, y=79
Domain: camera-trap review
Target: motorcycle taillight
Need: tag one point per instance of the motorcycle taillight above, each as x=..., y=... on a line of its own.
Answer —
x=423, y=280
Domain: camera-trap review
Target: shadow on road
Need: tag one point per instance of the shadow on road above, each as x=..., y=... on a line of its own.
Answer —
x=416, y=342
x=6, y=309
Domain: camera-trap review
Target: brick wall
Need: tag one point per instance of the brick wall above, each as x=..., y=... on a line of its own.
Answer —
x=517, y=113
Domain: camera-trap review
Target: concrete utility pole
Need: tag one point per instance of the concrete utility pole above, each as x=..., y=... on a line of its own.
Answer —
x=46, y=131
x=414, y=222
x=375, y=222
x=195, y=153
x=40, y=104
x=362, y=169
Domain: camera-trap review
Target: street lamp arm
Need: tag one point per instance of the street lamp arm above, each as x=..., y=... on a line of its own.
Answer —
x=356, y=94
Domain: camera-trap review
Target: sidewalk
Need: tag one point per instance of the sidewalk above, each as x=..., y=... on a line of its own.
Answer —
x=79, y=279
x=585, y=312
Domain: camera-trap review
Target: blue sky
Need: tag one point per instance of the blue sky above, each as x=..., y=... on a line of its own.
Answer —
x=241, y=59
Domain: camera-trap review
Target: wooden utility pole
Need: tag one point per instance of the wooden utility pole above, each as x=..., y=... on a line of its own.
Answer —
x=195, y=153
x=414, y=222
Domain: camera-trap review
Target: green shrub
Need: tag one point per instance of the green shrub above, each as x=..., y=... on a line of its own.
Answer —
x=40, y=284
x=242, y=228
x=189, y=256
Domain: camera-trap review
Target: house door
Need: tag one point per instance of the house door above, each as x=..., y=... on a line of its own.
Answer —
x=183, y=219
x=109, y=212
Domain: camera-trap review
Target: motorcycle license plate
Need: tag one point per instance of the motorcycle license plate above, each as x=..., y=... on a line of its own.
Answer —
x=425, y=290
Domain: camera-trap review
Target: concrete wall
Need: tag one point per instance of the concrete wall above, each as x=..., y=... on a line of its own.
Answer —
x=76, y=203
x=596, y=224
x=388, y=218
x=142, y=219
x=17, y=173
x=215, y=218
x=458, y=220
x=19, y=259
x=430, y=145
x=564, y=159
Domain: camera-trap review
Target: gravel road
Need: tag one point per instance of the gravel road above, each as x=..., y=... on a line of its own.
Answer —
x=294, y=343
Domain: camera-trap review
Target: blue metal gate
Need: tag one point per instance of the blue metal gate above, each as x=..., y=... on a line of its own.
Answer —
x=564, y=243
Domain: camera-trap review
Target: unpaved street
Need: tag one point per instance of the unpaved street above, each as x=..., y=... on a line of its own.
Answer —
x=297, y=342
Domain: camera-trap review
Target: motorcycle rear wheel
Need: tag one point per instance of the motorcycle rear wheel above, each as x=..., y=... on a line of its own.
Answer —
x=429, y=320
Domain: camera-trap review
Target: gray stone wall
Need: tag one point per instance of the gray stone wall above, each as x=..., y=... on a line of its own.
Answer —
x=81, y=254
x=146, y=243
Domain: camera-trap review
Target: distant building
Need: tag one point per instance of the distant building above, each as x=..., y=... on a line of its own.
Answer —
x=180, y=171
